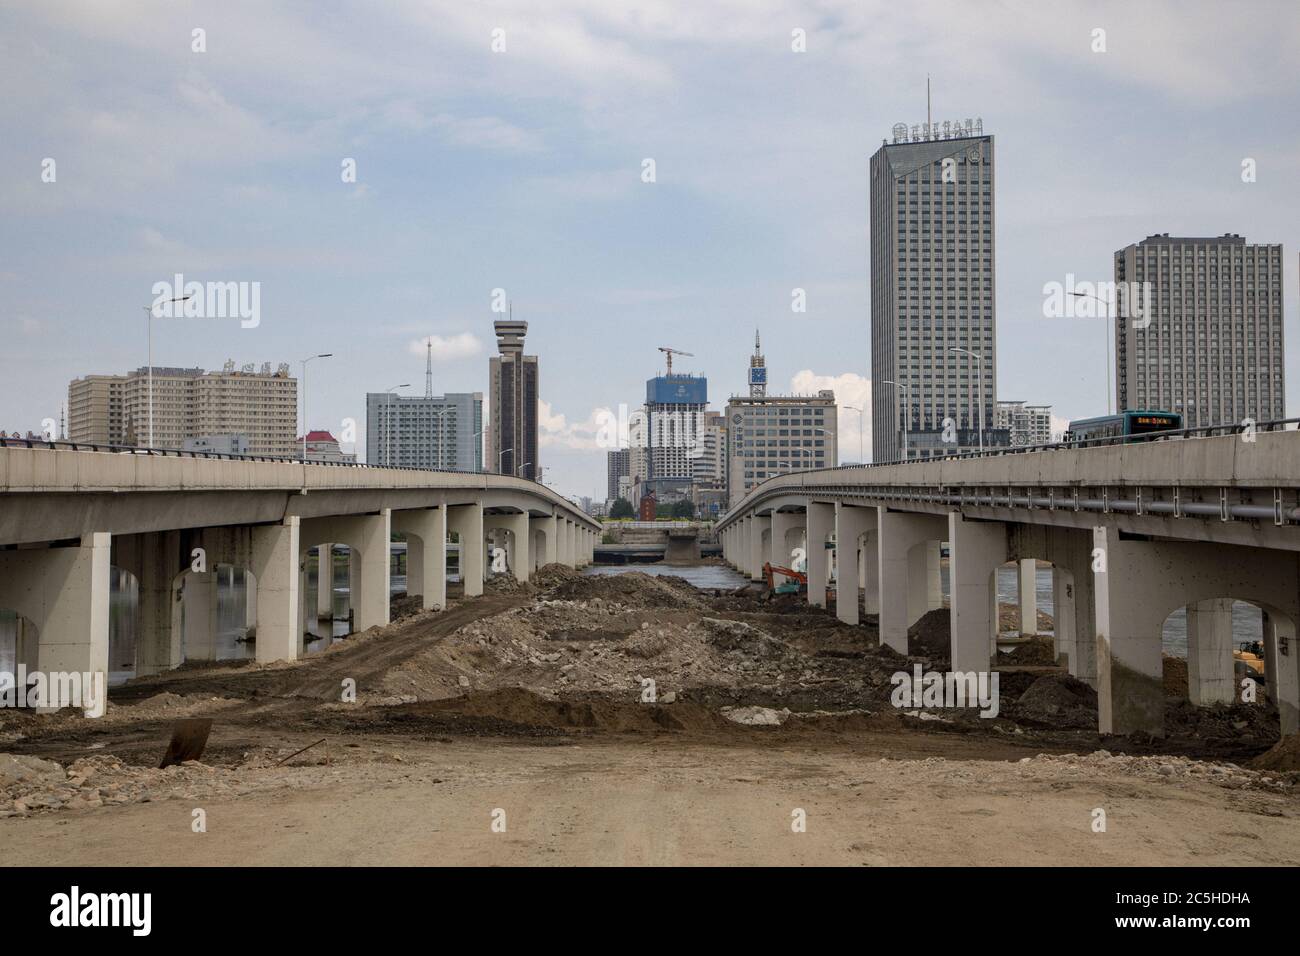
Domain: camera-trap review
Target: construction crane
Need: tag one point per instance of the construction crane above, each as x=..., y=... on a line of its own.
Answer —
x=670, y=353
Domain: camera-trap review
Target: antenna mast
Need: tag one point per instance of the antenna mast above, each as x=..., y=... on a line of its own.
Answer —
x=928, y=126
x=428, y=367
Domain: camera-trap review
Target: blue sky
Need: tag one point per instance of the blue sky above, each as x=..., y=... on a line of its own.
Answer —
x=521, y=170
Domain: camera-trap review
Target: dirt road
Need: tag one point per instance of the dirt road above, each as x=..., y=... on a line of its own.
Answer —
x=651, y=802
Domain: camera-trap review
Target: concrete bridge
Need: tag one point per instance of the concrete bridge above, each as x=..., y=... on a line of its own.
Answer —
x=671, y=541
x=1133, y=533
x=170, y=519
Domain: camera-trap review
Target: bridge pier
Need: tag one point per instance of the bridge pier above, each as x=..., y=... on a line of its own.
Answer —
x=426, y=554
x=466, y=522
x=851, y=524
x=924, y=580
x=325, y=582
x=820, y=518
x=543, y=529
x=275, y=564
x=1141, y=582
x=64, y=593
x=1282, y=669
x=1028, y=593
x=367, y=538
x=901, y=535
x=512, y=534
x=157, y=560
x=1210, y=677
x=782, y=549
x=976, y=550
x=758, y=525
x=1063, y=618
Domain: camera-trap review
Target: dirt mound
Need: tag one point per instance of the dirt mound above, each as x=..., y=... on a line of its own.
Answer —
x=553, y=575
x=404, y=605
x=1236, y=722
x=1175, y=677
x=1058, y=700
x=930, y=636
x=633, y=588
x=1283, y=756
x=1037, y=651
x=515, y=705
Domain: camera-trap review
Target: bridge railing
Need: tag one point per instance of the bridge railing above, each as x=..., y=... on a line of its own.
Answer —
x=57, y=444
x=1203, y=431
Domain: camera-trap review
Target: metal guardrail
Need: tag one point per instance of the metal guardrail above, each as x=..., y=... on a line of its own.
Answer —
x=1203, y=431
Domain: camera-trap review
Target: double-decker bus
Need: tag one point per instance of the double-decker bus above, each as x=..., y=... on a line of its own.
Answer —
x=1124, y=425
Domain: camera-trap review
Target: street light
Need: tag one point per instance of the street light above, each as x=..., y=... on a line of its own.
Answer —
x=906, y=413
x=862, y=452
x=149, y=335
x=304, y=398
x=979, y=358
x=388, y=455
x=1089, y=295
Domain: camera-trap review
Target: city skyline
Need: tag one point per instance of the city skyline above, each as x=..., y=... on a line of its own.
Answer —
x=225, y=165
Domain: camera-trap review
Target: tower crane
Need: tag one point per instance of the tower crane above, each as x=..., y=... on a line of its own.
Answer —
x=670, y=353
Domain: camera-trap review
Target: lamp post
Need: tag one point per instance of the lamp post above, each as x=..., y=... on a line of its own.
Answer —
x=862, y=452
x=906, y=413
x=1106, y=305
x=388, y=454
x=980, y=371
x=149, y=335
x=521, y=468
x=304, y=398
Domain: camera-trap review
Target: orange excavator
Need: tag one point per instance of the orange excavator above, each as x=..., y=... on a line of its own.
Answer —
x=796, y=582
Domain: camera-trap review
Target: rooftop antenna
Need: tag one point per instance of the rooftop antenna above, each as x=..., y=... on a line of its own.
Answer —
x=928, y=127
x=428, y=367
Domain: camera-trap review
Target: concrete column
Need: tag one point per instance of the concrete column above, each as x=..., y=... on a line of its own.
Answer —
x=1282, y=670
x=1130, y=695
x=758, y=524
x=1028, y=590
x=275, y=567
x=325, y=583
x=199, y=615
x=373, y=603
x=781, y=547
x=546, y=525
x=64, y=593
x=742, y=545
x=821, y=523
x=520, y=539
x=426, y=554
x=467, y=523
x=976, y=550
x=924, y=580
x=158, y=644
x=869, y=569
x=1210, y=678
x=1063, y=617
x=850, y=525
x=900, y=532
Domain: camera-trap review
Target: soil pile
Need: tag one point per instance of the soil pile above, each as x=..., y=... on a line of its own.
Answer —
x=929, y=636
x=1057, y=700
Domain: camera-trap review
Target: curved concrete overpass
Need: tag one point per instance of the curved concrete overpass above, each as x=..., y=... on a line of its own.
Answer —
x=1133, y=533
x=67, y=516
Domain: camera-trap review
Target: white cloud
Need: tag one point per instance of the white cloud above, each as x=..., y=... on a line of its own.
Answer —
x=850, y=389
x=555, y=431
x=448, y=348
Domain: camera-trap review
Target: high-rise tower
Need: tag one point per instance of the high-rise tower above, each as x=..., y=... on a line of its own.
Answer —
x=513, y=377
x=933, y=358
